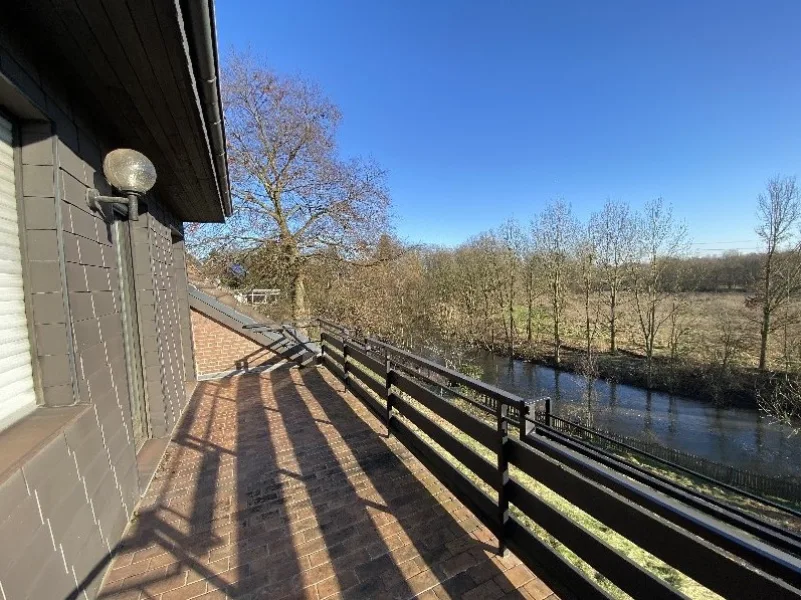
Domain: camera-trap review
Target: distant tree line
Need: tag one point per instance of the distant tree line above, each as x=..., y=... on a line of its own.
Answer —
x=316, y=225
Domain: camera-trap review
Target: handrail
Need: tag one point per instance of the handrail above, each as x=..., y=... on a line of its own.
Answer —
x=475, y=384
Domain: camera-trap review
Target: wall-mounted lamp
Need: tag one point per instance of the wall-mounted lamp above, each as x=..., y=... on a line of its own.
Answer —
x=131, y=173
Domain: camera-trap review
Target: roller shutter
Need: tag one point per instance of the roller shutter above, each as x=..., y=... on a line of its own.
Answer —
x=17, y=396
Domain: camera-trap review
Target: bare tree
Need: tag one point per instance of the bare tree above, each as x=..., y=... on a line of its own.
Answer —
x=779, y=214
x=587, y=254
x=289, y=184
x=613, y=230
x=512, y=243
x=783, y=402
x=554, y=234
x=659, y=238
x=530, y=264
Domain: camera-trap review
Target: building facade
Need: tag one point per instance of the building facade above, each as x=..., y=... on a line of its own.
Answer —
x=96, y=359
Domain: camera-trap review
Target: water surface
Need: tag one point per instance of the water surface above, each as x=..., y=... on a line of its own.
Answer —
x=737, y=436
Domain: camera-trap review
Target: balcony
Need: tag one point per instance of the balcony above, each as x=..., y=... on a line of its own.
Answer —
x=283, y=485
x=379, y=474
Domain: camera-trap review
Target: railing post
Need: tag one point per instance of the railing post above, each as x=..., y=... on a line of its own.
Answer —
x=387, y=393
x=525, y=428
x=345, y=376
x=502, y=413
x=548, y=412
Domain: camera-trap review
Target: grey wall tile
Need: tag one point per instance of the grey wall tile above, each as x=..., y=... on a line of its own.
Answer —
x=45, y=276
x=58, y=395
x=55, y=370
x=42, y=245
x=34, y=548
x=40, y=213
x=48, y=308
x=38, y=181
x=74, y=190
x=51, y=339
x=20, y=524
x=36, y=144
x=87, y=333
x=91, y=252
x=53, y=581
x=70, y=162
x=83, y=223
x=76, y=277
x=13, y=492
x=97, y=278
x=81, y=306
x=50, y=474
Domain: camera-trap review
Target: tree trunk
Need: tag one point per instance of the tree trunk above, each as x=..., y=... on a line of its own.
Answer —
x=528, y=320
x=299, y=309
x=511, y=325
x=613, y=322
x=557, y=316
x=587, y=317
x=765, y=331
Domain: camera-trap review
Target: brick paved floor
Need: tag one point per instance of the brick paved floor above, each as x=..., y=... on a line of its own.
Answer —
x=282, y=485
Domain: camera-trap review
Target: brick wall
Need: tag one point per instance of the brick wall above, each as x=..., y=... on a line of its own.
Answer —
x=219, y=349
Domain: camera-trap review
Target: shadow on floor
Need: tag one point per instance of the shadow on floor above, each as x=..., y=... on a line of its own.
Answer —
x=281, y=485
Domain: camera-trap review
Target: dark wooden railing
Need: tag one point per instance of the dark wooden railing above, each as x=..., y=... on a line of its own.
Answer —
x=416, y=400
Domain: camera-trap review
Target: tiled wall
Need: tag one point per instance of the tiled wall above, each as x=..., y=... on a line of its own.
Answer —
x=66, y=506
x=161, y=282
x=220, y=350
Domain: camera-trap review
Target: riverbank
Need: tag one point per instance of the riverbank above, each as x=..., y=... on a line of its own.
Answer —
x=731, y=386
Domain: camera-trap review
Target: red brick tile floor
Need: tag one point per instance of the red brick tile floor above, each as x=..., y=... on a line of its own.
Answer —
x=282, y=485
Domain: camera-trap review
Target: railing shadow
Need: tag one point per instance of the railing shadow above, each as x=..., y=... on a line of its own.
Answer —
x=446, y=555
x=276, y=487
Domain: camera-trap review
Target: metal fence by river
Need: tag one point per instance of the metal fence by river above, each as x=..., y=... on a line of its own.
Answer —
x=736, y=437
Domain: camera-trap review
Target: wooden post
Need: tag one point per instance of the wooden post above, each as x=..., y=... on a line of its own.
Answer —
x=345, y=376
x=387, y=393
x=502, y=413
x=548, y=412
x=525, y=426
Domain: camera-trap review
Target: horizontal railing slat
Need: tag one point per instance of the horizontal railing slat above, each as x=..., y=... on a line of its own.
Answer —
x=621, y=571
x=369, y=362
x=559, y=574
x=331, y=340
x=481, y=505
x=476, y=429
x=475, y=384
x=692, y=556
x=759, y=528
x=332, y=364
x=772, y=560
x=431, y=381
x=371, y=403
x=485, y=470
x=378, y=387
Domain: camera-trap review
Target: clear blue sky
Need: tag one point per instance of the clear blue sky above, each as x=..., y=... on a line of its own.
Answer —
x=484, y=110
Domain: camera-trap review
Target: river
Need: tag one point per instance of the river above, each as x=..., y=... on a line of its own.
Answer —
x=736, y=436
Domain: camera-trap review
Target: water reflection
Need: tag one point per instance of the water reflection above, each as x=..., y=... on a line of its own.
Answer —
x=737, y=436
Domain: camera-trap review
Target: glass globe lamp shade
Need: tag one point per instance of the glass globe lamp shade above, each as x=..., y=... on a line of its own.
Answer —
x=129, y=171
